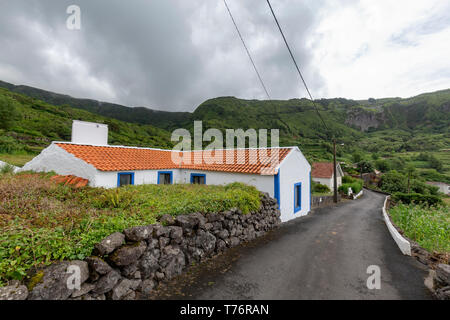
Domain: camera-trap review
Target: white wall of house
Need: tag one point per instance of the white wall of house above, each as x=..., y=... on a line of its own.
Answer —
x=329, y=182
x=294, y=169
x=89, y=133
x=108, y=179
x=54, y=158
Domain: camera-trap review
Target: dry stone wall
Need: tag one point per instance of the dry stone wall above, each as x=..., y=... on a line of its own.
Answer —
x=130, y=264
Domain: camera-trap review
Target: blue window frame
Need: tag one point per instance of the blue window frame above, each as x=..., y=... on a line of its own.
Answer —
x=297, y=197
x=198, y=178
x=276, y=186
x=310, y=190
x=125, y=178
x=165, y=177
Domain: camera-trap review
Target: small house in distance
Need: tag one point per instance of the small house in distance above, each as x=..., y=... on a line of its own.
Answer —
x=322, y=172
x=114, y=166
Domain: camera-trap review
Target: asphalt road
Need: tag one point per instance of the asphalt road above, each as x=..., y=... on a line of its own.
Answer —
x=322, y=256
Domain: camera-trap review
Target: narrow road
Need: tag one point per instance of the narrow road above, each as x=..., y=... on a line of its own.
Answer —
x=322, y=256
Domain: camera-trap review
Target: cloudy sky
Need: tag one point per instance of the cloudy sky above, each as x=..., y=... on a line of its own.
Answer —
x=174, y=54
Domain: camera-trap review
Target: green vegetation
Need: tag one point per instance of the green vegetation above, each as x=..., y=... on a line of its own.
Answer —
x=349, y=182
x=391, y=126
x=35, y=124
x=429, y=226
x=417, y=198
x=41, y=221
x=394, y=181
x=320, y=189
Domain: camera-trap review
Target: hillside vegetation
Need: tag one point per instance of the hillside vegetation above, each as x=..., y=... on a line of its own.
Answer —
x=392, y=130
x=27, y=125
x=42, y=221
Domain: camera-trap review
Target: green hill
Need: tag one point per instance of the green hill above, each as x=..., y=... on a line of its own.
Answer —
x=384, y=128
x=28, y=125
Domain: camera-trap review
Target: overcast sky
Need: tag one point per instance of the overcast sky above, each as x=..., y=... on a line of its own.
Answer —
x=174, y=54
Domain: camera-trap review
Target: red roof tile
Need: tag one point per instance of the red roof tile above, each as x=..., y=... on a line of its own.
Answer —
x=110, y=158
x=322, y=170
x=75, y=181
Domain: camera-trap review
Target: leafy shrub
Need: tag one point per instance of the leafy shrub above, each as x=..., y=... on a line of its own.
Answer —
x=6, y=168
x=417, y=198
x=320, y=188
x=115, y=198
x=394, y=181
x=429, y=226
x=348, y=179
x=41, y=221
x=9, y=145
x=350, y=182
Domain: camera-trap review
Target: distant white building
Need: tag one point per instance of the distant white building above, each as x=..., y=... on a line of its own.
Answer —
x=115, y=166
x=322, y=172
x=443, y=187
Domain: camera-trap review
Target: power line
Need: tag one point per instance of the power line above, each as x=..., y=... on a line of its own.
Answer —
x=246, y=49
x=296, y=65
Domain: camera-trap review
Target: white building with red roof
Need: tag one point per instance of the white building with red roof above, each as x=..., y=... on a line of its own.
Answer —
x=284, y=173
x=322, y=172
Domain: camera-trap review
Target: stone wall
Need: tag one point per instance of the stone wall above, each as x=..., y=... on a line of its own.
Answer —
x=131, y=264
x=323, y=201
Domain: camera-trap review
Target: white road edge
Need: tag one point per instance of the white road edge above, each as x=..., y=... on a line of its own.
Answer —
x=402, y=243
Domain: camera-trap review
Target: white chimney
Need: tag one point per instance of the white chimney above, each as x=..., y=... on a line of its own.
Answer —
x=89, y=133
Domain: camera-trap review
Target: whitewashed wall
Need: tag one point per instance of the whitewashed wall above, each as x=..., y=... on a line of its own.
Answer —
x=294, y=169
x=263, y=183
x=108, y=179
x=328, y=182
x=54, y=158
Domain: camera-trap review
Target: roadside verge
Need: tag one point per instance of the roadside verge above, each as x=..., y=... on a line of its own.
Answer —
x=402, y=243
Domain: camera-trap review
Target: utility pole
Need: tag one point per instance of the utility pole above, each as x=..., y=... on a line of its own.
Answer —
x=335, y=191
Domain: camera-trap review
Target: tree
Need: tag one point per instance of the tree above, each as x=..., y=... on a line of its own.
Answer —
x=382, y=165
x=8, y=112
x=393, y=181
x=365, y=167
x=435, y=163
x=357, y=157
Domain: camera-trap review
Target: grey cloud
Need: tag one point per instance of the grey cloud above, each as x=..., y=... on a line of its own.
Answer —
x=145, y=52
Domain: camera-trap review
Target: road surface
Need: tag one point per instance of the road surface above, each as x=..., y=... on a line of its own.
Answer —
x=322, y=256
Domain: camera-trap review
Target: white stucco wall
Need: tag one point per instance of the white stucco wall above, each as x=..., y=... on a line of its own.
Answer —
x=89, y=133
x=294, y=169
x=328, y=182
x=262, y=183
x=54, y=158
x=108, y=179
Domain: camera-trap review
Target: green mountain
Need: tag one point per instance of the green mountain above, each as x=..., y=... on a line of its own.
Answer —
x=384, y=127
x=28, y=125
x=139, y=115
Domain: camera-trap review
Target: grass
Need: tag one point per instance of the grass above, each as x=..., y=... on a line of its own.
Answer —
x=428, y=226
x=41, y=221
x=17, y=160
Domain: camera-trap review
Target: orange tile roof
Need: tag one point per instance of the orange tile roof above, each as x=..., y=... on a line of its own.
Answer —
x=110, y=158
x=74, y=181
x=322, y=170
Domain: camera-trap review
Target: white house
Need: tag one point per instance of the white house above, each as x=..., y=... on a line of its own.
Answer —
x=114, y=166
x=322, y=172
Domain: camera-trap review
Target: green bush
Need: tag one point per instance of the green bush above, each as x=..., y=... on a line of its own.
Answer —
x=348, y=179
x=42, y=221
x=417, y=198
x=10, y=145
x=356, y=187
x=429, y=226
x=6, y=169
x=320, y=188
